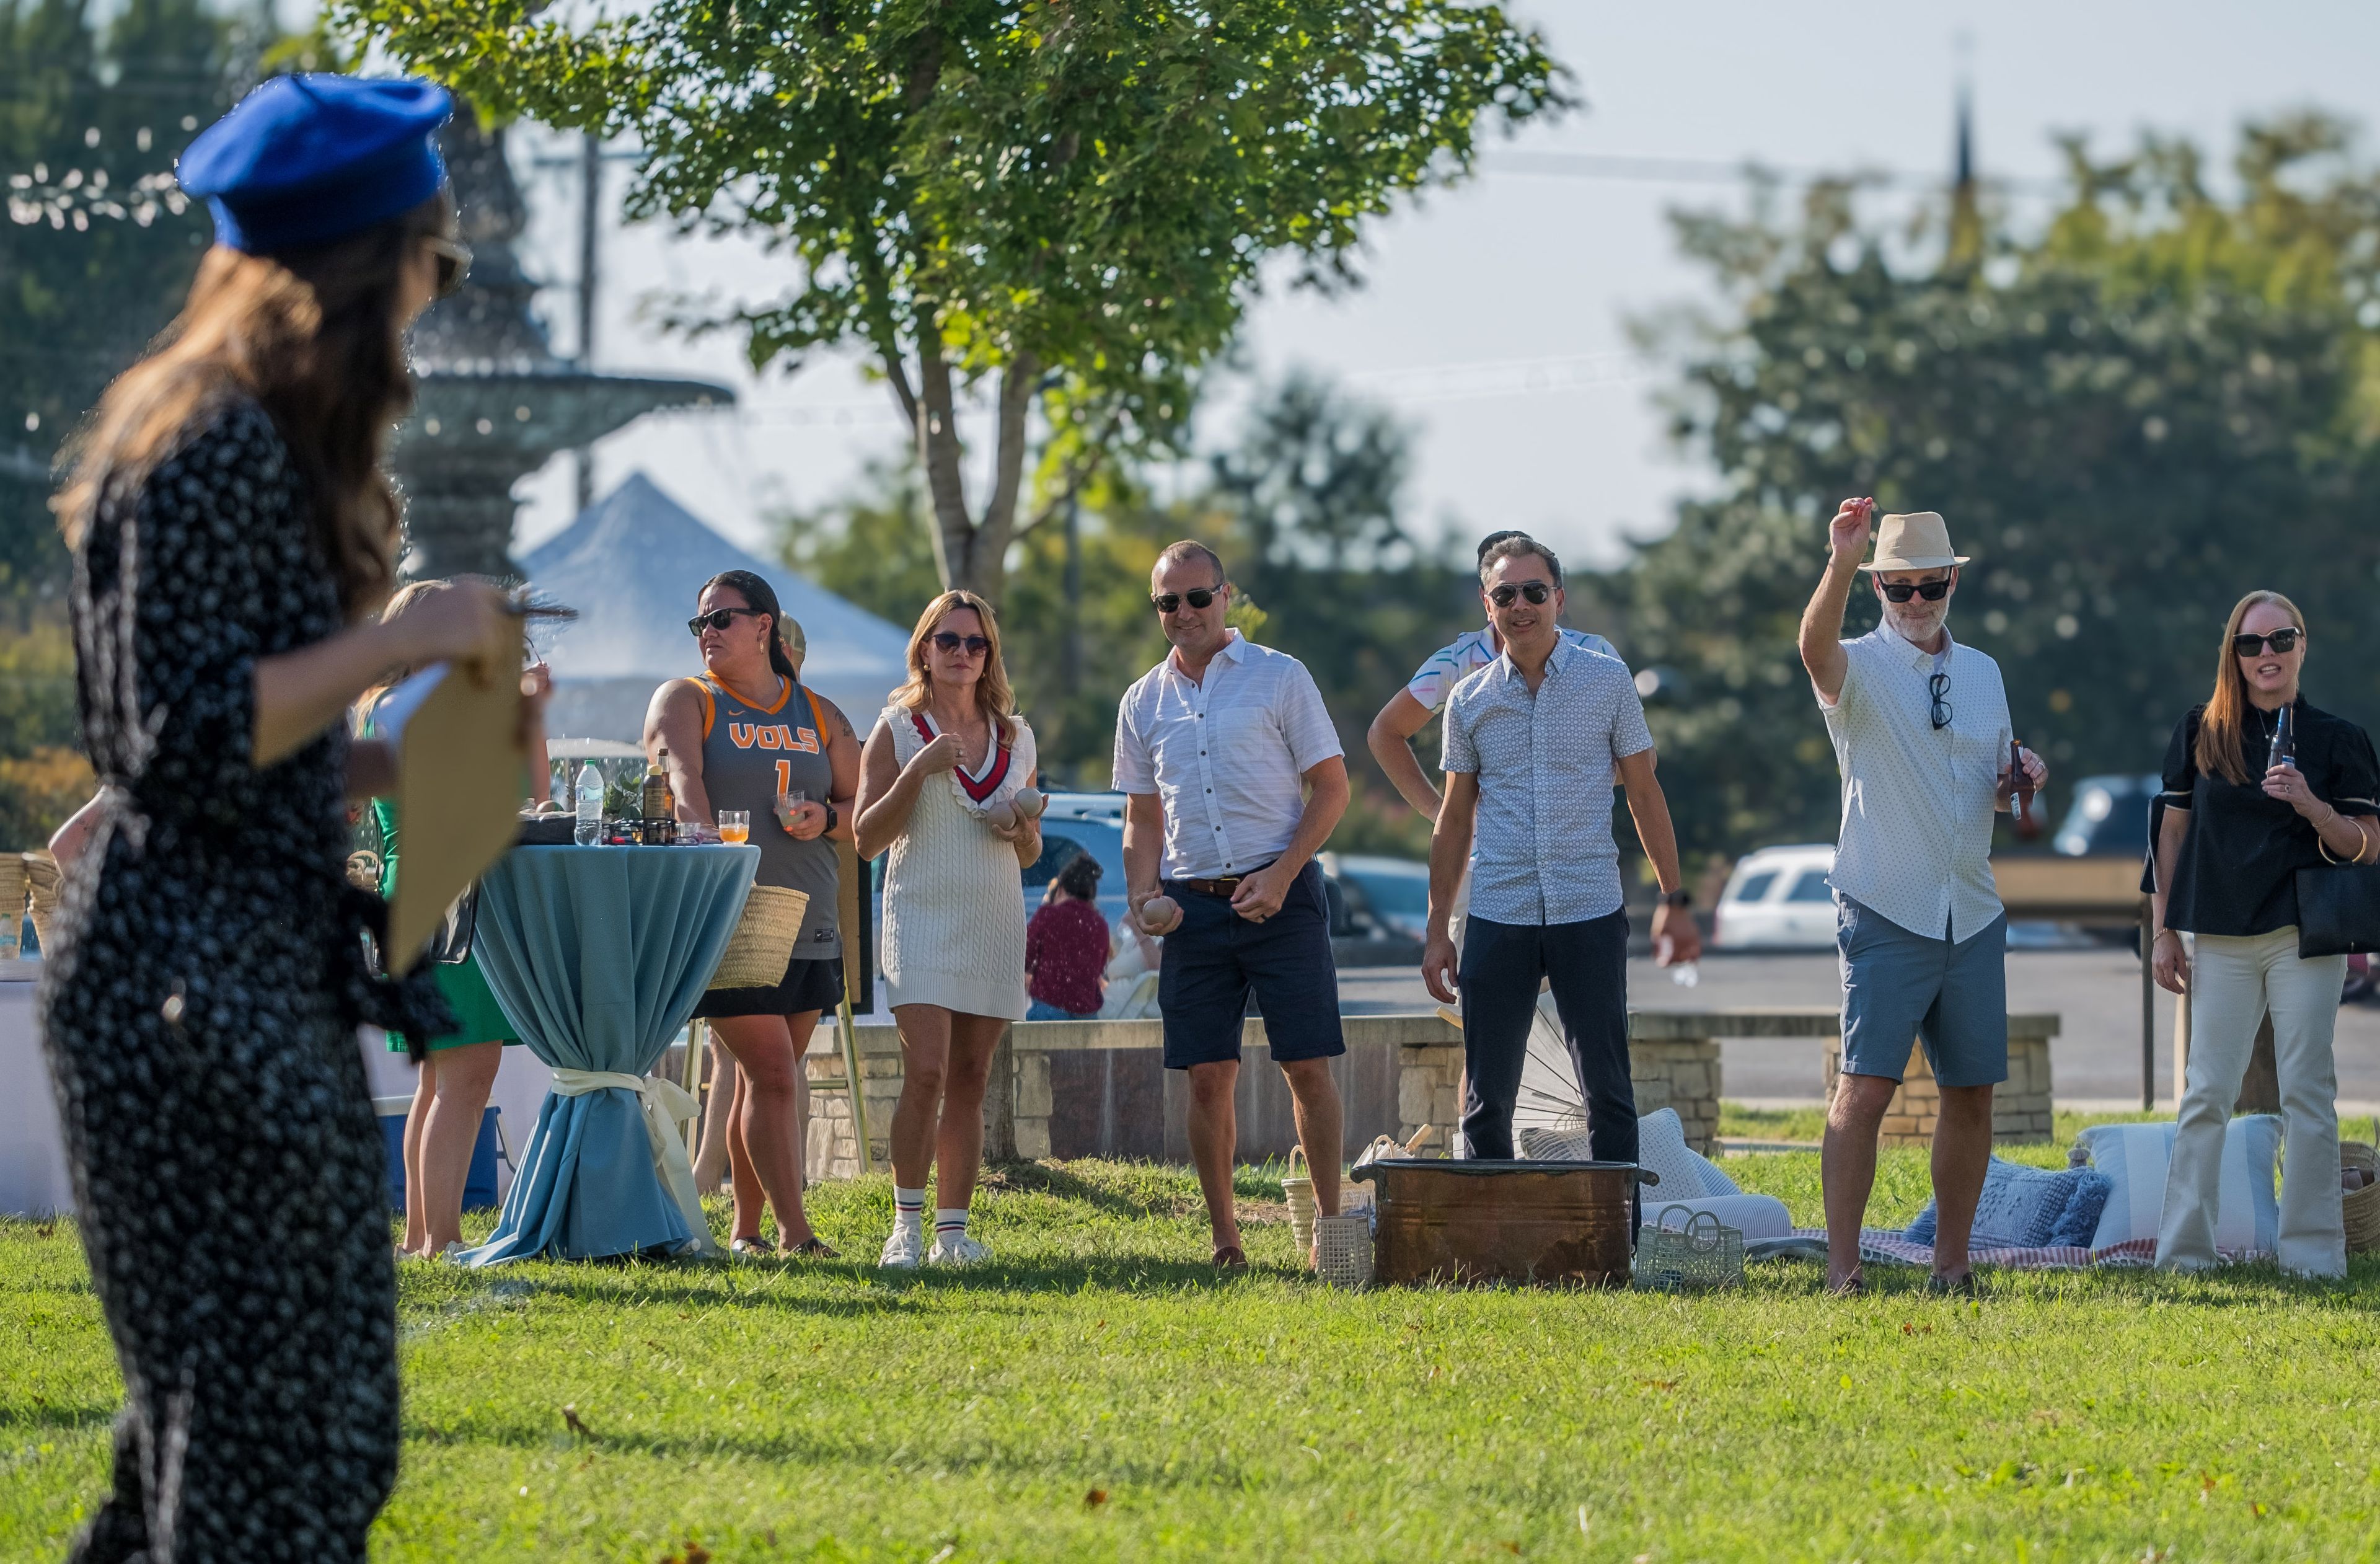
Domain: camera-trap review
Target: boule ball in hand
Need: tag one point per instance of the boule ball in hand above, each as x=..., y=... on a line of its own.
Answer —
x=1159, y=914
x=1001, y=816
x=1030, y=802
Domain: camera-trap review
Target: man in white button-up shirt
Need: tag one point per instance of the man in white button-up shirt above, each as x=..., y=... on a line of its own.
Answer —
x=1234, y=778
x=1921, y=732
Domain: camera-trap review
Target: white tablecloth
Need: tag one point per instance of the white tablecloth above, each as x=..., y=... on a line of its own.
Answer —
x=33, y=1179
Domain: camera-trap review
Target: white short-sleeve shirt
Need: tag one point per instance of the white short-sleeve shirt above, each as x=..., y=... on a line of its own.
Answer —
x=1541, y=848
x=1919, y=801
x=1469, y=652
x=1227, y=756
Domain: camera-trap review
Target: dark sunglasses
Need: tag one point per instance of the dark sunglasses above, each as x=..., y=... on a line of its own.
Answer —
x=717, y=619
x=1939, y=688
x=1196, y=597
x=951, y=640
x=1535, y=591
x=2253, y=646
x=453, y=262
x=1932, y=591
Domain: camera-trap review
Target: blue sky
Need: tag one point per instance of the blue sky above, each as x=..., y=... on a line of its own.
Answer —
x=1494, y=319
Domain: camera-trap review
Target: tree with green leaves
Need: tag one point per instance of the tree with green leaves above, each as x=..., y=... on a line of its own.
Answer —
x=1058, y=207
x=2162, y=399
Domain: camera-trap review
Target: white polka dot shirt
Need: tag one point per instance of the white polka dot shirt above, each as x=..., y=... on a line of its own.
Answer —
x=1918, y=802
x=1542, y=851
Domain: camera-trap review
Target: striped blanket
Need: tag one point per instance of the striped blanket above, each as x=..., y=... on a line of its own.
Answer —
x=1886, y=1246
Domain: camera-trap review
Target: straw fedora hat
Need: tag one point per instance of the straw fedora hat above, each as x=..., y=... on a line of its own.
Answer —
x=1918, y=540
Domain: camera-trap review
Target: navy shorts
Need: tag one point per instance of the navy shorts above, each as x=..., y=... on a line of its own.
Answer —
x=1898, y=986
x=1216, y=959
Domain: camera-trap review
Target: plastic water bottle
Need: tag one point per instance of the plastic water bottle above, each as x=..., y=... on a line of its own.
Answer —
x=591, y=806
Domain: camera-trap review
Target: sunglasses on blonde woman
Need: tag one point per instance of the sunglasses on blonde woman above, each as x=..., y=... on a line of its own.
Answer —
x=951, y=640
x=2253, y=646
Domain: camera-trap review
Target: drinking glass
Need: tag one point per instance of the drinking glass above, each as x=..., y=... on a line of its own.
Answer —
x=788, y=802
x=735, y=825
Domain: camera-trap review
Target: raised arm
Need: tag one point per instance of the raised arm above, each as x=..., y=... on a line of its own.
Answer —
x=1822, y=621
x=888, y=790
x=1390, y=741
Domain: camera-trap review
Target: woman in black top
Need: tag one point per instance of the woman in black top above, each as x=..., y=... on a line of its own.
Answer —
x=232, y=534
x=2240, y=815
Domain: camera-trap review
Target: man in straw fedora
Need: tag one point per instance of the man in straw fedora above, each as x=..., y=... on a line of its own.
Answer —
x=1921, y=731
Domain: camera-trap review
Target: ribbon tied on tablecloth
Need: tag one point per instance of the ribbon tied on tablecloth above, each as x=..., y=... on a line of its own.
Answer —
x=665, y=1105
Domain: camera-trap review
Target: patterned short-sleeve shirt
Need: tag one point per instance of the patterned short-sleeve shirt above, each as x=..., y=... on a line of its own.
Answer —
x=1542, y=851
x=1469, y=652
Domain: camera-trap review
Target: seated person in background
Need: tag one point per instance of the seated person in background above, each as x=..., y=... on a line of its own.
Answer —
x=1067, y=946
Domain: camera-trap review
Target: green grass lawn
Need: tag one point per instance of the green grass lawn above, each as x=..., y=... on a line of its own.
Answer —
x=1100, y=1393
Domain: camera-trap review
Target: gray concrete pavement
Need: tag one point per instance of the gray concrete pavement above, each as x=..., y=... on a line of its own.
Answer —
x=2094, y=1060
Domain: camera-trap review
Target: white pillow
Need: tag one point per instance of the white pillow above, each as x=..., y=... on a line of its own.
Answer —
x=1661, y=1145
x=2135, y=1158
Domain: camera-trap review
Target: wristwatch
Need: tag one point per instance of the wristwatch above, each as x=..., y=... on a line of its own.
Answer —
x=831, y=818
x=1680, y=898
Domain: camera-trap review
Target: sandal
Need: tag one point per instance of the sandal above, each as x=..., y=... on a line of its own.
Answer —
x=815, y=1248
x=1231, y=1257
x=1941, y=1286
x=1853, y=1285
x=755, y=1245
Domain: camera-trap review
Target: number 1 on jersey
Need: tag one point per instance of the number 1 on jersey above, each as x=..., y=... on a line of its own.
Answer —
x=784, y=778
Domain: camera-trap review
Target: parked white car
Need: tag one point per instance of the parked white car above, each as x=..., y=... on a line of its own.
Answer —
x=1779, y=899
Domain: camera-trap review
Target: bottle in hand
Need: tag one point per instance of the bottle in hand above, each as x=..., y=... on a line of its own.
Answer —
x=2284, y=740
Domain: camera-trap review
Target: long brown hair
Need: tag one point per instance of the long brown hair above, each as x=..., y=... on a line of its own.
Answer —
x=992, y=695
x=312, y=337
x=2221, y=726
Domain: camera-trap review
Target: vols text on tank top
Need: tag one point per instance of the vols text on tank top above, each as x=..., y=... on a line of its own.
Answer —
x=752, y=756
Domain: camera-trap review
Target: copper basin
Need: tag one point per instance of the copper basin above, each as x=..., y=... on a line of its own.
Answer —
x=1502, y=1221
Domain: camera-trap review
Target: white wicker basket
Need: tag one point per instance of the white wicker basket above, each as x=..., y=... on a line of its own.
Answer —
x=1342, y=1249
x=1704, y=1253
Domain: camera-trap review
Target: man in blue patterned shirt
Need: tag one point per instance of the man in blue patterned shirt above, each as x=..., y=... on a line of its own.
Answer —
x=1531, y=743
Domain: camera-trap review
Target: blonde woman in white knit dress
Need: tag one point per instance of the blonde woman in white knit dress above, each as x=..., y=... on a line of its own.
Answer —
x=946, y=756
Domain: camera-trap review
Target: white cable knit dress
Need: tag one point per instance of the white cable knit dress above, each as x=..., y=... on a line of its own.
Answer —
x=953, y=893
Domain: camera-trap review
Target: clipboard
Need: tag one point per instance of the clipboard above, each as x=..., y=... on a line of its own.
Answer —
x=456, y=733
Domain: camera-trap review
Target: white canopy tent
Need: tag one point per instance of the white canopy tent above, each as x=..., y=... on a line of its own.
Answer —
x=632, y=565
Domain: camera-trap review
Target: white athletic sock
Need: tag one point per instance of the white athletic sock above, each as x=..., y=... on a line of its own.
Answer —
x=909, y=1208
x=949, y=1224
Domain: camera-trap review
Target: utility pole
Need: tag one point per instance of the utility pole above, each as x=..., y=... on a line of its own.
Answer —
x=590, y=207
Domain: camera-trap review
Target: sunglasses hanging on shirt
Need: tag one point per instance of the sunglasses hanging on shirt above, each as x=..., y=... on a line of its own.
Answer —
x=1535, y=591
x=1932, y=591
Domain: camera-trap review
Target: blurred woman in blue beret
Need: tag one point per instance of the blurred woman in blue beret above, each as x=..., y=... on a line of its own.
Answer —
x=232, y=535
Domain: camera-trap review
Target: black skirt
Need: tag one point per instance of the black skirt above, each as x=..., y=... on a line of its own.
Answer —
x=811, y=983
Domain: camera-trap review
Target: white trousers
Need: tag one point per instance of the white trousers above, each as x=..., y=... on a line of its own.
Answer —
x=2232, y=981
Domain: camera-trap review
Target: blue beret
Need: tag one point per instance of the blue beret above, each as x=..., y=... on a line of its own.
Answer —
x=307, y=159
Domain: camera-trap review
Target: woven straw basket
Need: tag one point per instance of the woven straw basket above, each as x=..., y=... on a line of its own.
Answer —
x=762, y=945
x=13, y=887
x=1342, y=1249
x=1297, y=1188
x=41, y=877
x=2361, y=1207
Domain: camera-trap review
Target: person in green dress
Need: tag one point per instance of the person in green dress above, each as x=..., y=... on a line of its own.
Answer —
x=459, y=1070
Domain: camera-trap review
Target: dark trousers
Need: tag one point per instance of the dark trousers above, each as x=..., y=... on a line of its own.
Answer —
x=1502, y=965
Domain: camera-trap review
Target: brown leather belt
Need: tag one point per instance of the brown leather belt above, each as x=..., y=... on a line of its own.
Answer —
x=1219, y=887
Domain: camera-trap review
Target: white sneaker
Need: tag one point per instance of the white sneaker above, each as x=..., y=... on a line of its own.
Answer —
x=903, y=1249
x=959, y=1250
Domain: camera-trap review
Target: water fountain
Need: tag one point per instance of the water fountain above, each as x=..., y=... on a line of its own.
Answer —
x=494, y=403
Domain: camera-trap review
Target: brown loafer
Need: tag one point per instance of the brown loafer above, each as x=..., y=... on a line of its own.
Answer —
x=815, y=1248
x=1231, y=1257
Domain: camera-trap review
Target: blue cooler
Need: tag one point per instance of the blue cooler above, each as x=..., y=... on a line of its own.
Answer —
x=479, y=1186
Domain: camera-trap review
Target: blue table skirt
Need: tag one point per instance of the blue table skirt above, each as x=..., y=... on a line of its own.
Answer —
x=599, y=955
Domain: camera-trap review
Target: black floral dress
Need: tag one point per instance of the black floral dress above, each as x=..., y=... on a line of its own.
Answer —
x=199, y=1015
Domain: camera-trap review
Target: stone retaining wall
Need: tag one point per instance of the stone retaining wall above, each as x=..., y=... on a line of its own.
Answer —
x=2021, y=1106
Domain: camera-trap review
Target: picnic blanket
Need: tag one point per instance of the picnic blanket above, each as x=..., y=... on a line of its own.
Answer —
x=1886, y=1246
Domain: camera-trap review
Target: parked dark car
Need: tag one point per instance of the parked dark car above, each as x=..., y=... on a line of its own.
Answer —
x=2110, y=818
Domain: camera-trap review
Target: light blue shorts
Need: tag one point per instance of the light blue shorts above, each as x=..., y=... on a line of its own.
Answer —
x=1898, y=984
